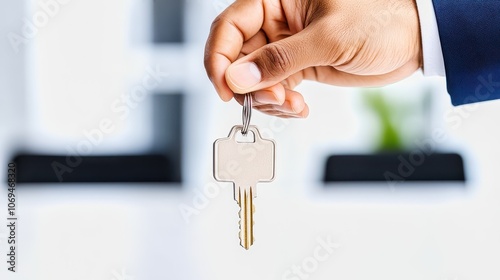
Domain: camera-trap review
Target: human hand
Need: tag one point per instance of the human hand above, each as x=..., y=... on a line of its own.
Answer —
x=269, y=46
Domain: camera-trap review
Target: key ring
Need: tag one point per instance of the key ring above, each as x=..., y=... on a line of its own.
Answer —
x=247, y=113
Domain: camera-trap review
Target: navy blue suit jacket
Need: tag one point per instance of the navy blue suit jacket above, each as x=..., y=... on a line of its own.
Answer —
x=470, y=39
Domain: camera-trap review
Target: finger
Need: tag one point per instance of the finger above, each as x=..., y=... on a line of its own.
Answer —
x=276, y=25
x=332, y=76
x=257, y=41
x=303, y=114
x=240, y=98
x=253, y=44
x=274, y=95
x=294, y=80
x=274, y=62
x=294, y=104
x=228, y=33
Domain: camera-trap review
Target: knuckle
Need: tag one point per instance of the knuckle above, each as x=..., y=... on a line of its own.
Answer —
x=217, y=21
x=276, y=60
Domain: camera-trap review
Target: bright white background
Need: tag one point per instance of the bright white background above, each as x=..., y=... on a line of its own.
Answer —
x=63, y=82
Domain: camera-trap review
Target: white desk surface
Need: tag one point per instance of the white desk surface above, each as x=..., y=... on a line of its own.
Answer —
x=137, y=231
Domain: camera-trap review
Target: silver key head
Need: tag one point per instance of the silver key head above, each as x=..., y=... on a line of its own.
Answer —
x=244, y=163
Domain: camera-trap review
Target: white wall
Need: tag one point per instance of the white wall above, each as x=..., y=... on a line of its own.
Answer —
x=83, y=60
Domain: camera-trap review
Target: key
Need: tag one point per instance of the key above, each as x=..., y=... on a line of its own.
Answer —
x=245, y=164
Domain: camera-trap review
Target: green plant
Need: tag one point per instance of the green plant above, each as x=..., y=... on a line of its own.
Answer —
x=394, y=117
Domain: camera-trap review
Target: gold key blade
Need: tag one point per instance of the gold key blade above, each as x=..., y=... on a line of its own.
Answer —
x=245, y=201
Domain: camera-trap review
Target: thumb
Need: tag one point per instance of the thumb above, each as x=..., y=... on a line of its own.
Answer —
x=274, y=63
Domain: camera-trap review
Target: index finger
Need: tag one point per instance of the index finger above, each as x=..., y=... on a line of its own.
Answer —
x=237, y=24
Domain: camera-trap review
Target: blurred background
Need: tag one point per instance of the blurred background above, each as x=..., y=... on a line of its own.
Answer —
x=107, y=111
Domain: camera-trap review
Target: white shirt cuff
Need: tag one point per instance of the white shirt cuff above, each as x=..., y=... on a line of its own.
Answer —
x=431, y=43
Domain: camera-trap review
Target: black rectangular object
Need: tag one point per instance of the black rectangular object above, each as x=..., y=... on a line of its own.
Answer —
x=394, y=166
x=93, y=169
x=167, y=115
x=168, y=21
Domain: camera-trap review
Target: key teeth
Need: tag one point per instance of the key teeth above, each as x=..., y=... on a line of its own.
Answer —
x=241, y=234
x=243, y=203
x=242, y=242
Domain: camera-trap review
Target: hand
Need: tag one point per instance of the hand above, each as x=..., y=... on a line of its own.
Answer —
x=269, y=46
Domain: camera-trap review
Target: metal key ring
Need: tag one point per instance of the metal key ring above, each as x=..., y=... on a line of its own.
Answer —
x=247, y=113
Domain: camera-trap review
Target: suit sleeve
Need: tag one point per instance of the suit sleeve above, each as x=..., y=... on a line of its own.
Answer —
x=469, y=31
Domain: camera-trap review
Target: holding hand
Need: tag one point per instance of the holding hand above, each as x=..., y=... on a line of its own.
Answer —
x=269, y=46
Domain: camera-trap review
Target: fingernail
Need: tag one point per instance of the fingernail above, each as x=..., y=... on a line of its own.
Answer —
x=266, y=98
x=245, y=75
